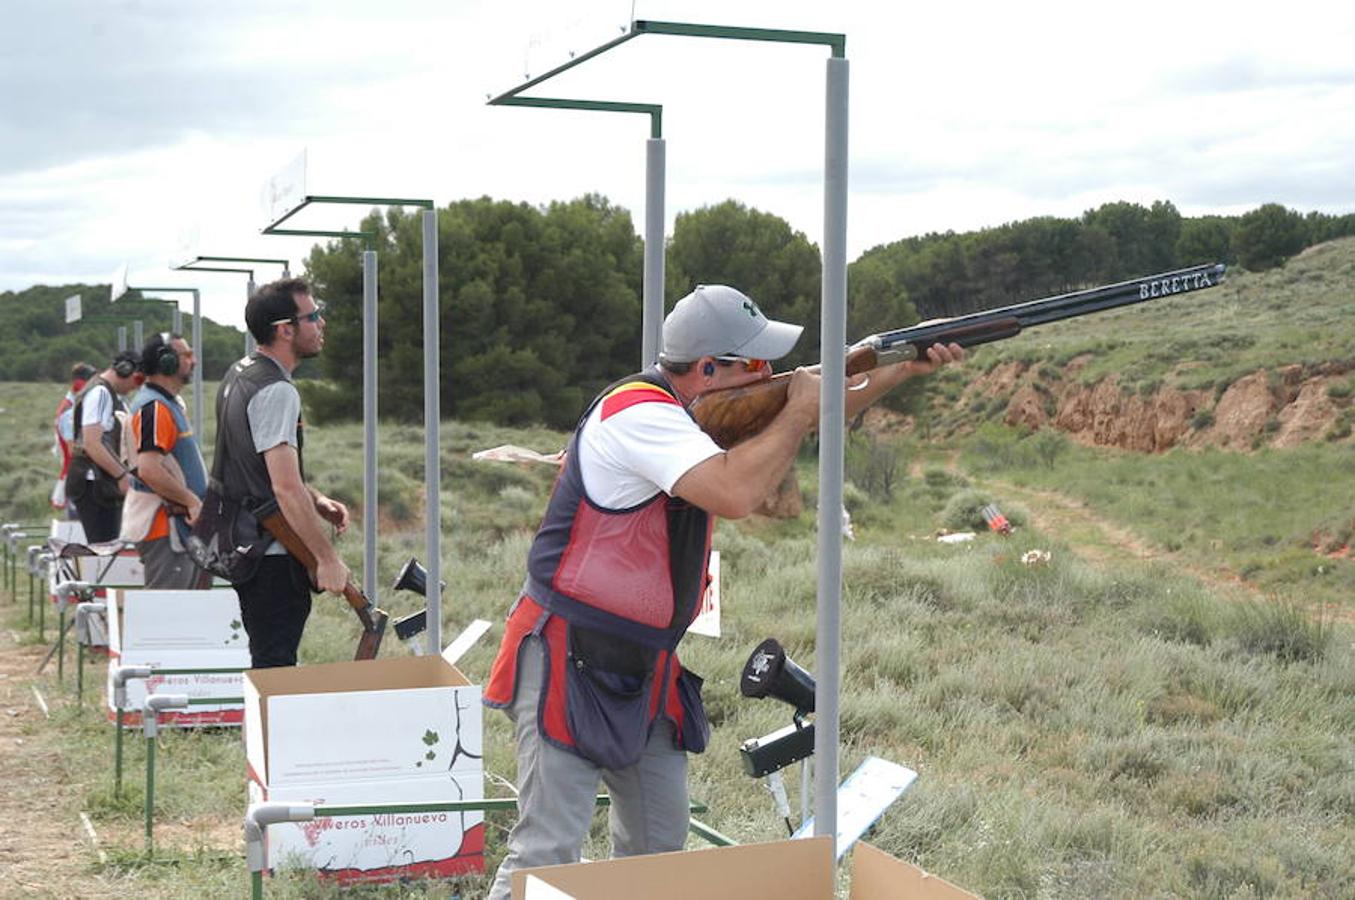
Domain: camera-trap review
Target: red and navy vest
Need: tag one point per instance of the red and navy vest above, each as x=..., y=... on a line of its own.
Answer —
x=637, y=573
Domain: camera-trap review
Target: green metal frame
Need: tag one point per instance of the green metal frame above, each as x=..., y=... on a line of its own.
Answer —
x=367, y=236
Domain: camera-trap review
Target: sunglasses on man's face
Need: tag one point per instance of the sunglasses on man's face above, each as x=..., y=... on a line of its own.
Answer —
x=749, y=365
x=314, y=315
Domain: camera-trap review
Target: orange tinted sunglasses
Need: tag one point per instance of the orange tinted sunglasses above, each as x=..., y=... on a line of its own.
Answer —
x=749, y=365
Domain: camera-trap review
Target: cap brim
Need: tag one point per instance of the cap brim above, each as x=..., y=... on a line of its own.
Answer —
x=772, y=342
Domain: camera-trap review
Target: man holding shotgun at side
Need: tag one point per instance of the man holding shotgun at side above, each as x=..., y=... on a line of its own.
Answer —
x=586, y=670
x=260, y=438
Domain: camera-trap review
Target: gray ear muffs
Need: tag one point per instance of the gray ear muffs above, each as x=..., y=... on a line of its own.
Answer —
x=708, y=369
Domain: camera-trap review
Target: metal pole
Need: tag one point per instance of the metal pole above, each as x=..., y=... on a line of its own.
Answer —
x=432, y=422
x=249, y=338
x=122, y=338
x=652, y=320
x=138, y=335
x=176, y=320
x=832, y=430
x=117, y=753
x=150, y=789
x=197, y=369
x=369, y=499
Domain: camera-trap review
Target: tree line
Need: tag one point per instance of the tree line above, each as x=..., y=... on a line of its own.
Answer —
x=540, y=305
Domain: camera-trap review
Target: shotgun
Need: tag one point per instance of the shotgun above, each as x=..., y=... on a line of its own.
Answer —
x=373, y=619
x=735, y=414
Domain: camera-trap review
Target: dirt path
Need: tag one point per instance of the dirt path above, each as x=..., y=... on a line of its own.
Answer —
x=44, y=851
x=1101, y=541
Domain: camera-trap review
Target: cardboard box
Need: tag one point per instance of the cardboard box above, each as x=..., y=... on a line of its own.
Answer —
x=785, y=870
x=374, y=732
x=179, y=630
x=123, y=569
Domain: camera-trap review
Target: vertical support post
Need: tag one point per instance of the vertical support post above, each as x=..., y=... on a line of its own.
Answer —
x=122, y=338
x=197, y=369
x=61, y=641
x=176, y=320
x=832, y=436
x=117, y=752
x=432, y=425
x=138, y=335
x=42, y=620
x=369, y=498
x=79, y=672
x=652, y=319
x=150, y=787
x=250, y=288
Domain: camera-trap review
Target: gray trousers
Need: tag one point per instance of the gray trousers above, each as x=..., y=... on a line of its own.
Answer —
x=556, y=791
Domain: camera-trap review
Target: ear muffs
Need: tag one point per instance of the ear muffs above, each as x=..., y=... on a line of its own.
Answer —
x=166, y=357
x=124, y=367
x=708, y=369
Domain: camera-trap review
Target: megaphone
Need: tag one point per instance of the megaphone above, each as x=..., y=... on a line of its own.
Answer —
x=769, y=672
x=414, y=577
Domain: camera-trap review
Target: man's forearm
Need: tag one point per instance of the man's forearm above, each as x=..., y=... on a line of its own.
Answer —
x=298, y=508
x=150, y=468
x=102, y=458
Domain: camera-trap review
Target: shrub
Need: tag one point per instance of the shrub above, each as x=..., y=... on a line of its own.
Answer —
x=963, y=511
x=1281, y=630
x=1202, y=419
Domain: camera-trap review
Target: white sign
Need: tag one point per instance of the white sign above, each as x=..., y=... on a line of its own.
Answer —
x=863, y=798
x=186, y=246
x=286, y=190
x=119, y=284
x=707, y=619
x=72, y=308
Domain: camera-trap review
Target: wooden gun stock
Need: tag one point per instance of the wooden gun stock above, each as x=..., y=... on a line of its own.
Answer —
x=373, y=620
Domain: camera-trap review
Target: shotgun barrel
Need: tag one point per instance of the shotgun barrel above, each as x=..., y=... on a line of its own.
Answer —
x=734, y=414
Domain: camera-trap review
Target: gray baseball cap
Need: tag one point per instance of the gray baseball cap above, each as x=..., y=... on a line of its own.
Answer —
x=717, y=320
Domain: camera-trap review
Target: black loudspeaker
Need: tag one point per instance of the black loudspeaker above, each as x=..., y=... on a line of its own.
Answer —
x=414, y=577
x=769, y=672
x=166, y=361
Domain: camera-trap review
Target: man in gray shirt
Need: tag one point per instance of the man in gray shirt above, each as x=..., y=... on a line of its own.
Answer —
x=260, y=440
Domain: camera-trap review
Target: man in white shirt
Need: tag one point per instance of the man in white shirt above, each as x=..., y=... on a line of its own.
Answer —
x=587, y=669
x=98, y=477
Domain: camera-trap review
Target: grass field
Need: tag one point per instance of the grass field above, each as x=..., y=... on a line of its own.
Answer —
x=1096, y=726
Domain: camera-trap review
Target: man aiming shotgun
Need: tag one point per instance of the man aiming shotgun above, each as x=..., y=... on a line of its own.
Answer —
x=587, y=669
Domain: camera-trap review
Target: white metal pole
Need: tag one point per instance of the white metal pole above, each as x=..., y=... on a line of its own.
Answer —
x=138, y=335
x=369, y=500
x=197, y=369
x=832, y=428
x=176, y=320
x=652, y=318
x=250, y=287
x=122, y=338
x=432, y=421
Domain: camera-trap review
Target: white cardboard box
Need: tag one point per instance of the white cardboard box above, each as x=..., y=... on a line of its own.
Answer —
x=785, y=870
x=380, y=731
x=179, y=630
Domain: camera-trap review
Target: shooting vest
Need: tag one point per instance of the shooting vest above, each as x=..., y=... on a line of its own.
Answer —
x=610, y=594
x=635, y=573
x=238, y=470
x=111, y=438
x=185, y=450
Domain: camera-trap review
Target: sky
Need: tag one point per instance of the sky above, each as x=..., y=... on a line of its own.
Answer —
x=137, y=131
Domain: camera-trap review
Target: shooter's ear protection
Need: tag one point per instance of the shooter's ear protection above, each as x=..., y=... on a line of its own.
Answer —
x=125, y=365
x=166, y=360
x=708, y=369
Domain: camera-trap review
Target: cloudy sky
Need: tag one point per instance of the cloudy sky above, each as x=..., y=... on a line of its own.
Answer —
x=125, y=124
